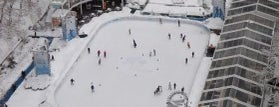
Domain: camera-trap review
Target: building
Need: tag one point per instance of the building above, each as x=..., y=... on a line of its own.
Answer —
x=233, y=78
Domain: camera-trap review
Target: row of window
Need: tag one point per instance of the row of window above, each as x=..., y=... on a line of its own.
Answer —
x=242, y=3
x=250, y=17
x=251, y=87
x=247, y=33
x=243, y=51
x=234, y=70
x=238, y=60
x=260, y=28
x=253, y=26
x=268, y=11
x=233, y=93
x=223, y=103
x=242, y=41
x=242, y=10
x=270, y=3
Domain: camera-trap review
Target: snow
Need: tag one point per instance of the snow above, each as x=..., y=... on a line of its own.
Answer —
x=128, y=76
x=214, y=23
x=199, y=82
x=60, y=13
x=130, y=73
x=37, y=82
x=214, y=39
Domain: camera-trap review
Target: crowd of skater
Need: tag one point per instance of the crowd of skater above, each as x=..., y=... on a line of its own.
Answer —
x=159, y=89
x=171, y=86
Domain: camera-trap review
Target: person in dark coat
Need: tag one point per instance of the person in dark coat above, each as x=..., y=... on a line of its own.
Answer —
x=98, y=53
x=92, y=88
x=182, y=89
x=169, y=35
x=193, y=54
x=23, y=73
x=72, y=81
x=183, y=38
x=105, y=54
x=52, y=57
x=134, y=43
x=88, y=49
x=174, y=86
x=186, y=60
x=99, y=61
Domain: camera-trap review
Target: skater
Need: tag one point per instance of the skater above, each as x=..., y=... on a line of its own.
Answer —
x=160, y=20
x=183, y=39
x=134, y=43
x=72, y=81
x=52, y=57
x=169, y=36
x=181, y=35
x=150, y=54
x=92, y=88
x=188, y=45
x=169, y=86
x=182, y=89
x=158, y=90
x=130, y=32
x=99, y=61
x=98, y=53
x=88, y=49
x=193, y=54
x=105, y=54
x=178, y=22
x=154, y=52
x=174, y=86
x=186, y=60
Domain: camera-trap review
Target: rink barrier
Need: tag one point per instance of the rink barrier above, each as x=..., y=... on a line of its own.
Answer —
x=51, y=96
x=16, y=84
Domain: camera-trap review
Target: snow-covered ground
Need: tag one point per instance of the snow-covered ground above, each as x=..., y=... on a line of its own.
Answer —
x=13, y=37
x=128, y=76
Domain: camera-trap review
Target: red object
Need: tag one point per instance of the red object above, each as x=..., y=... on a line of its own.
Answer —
x=188, y=44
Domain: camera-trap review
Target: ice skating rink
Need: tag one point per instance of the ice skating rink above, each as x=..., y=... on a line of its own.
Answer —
x=128, y=76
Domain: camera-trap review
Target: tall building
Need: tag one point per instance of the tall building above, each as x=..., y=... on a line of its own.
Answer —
x=233, y=80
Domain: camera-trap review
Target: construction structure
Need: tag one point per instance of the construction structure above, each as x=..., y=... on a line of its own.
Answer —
x=240, y=61
x=42, y=59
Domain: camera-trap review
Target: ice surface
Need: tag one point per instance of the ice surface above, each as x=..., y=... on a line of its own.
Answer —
x=128, y=76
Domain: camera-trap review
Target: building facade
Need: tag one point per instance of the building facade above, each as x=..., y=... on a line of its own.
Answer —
x=233, y=78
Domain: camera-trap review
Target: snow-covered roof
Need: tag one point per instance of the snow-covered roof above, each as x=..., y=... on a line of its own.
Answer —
x=214, y=23
x=176, y=9
x=60, y=13
x=181, y=2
